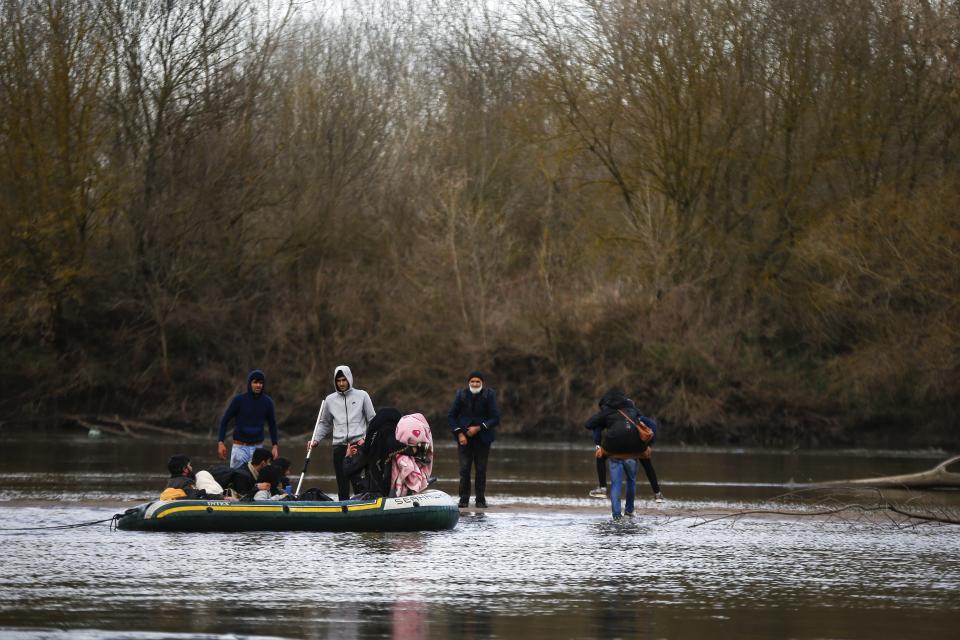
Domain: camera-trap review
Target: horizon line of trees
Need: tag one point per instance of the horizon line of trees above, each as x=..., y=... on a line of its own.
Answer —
x=744, y=212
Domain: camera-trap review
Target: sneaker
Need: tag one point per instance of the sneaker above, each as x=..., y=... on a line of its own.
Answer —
x=481, y=503
x=599, y=492
x=617, y=516
x=464, y=503
x=629, y=514
x=658, y=497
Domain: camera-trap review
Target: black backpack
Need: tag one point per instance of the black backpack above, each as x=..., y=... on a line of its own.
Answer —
x=623, y=437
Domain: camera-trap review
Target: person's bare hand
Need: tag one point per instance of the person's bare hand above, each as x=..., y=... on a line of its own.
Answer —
x=462, y=438
x=263, y=486
x=474, y=430
x=221, y=450
x=311, y=444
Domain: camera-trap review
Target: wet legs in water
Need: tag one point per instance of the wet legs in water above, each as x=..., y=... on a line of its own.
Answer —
x=622, y=470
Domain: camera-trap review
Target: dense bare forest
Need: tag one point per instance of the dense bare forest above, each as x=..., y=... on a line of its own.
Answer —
x=744, y=212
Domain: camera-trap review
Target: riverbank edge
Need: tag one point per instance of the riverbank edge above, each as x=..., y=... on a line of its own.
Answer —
x=872, y=436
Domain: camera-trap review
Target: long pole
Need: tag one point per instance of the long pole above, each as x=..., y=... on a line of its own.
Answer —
x=309, y=450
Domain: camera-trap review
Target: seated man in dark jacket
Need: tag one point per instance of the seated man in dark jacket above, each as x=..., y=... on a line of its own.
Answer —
x=379, y=443
x=243, y=481
x=182, y=484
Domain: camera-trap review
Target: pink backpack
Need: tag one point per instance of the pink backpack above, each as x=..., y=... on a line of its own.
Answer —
x=411, y=467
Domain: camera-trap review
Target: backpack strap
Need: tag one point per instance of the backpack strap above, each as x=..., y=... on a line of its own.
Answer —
x=646, y=433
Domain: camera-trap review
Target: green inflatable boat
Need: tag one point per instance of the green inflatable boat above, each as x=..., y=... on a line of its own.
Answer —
x=428, y=511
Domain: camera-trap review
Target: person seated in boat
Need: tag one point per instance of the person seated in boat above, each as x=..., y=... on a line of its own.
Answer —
x=284, y=466
x=243, y=480
x=268, y=485
x=410, y=467
x=372, y=459
x=183, y=482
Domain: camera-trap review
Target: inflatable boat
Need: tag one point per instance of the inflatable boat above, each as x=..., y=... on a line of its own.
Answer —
x=428, y=511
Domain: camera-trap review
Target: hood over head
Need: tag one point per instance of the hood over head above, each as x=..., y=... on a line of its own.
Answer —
x=342, y=368
x=256, y=374
x=616, y=399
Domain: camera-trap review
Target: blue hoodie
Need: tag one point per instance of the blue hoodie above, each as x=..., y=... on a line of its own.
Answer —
x=250, y=412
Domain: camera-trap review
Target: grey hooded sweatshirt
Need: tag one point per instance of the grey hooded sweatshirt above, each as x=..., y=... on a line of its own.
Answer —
x=346, y=414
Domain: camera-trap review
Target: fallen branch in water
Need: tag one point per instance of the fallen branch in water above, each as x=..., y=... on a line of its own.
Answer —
x=938, y=477
x=129, y=428
x=914, y=509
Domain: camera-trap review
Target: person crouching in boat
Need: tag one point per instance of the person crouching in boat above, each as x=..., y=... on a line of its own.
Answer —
x=369, y=466
x=244, y=479
x=268, y=485
x=284, y=466
x=182, y=484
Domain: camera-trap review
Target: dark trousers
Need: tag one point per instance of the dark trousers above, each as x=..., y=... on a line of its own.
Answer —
x=474, y=453
x=602, y=472
x=343, y=482
x=651, y=474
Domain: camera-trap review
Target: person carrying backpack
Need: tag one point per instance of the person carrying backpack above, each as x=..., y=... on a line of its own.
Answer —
x=623, y=439
x=646, y=460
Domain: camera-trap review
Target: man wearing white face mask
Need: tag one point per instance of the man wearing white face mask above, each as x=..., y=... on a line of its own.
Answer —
x=473, y=420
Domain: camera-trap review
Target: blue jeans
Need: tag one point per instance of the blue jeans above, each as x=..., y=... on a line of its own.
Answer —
x=619, y=469
x=241, y=454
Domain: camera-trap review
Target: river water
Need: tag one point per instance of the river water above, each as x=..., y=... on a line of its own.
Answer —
x=545, y=561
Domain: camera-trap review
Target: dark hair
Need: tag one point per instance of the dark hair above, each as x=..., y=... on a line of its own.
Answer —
x=270, y=474
x=281, y=463
x=259, y=455
x=177, y=464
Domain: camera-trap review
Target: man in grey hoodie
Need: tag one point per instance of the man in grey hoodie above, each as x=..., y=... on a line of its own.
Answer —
x=345, y=415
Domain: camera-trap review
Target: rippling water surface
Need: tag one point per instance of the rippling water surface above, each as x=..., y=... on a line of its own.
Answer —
x=545, y=562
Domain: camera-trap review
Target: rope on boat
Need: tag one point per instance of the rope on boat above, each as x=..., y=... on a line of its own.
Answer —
x=112, y=520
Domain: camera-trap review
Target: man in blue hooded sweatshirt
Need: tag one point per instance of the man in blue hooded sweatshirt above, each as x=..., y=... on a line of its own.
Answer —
x=250, y=410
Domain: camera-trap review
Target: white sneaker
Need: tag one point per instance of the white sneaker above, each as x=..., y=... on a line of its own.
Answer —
x=599, y=492
x=658, y=497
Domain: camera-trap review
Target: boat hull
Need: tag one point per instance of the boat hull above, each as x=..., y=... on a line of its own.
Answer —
x=429, y=511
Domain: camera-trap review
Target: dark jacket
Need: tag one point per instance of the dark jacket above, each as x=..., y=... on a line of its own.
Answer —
x=250, y=412
x=187, y=485
x=475, y=408
x=379, y=442
x=612, y=402
x=244, y=481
